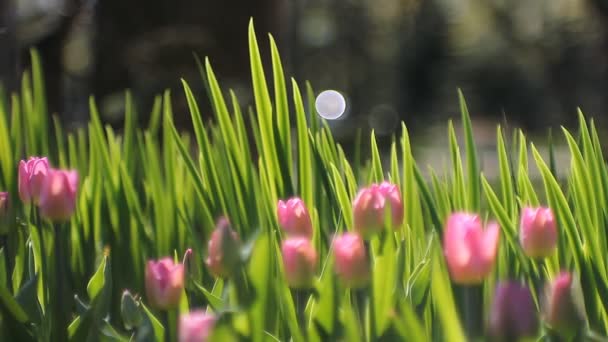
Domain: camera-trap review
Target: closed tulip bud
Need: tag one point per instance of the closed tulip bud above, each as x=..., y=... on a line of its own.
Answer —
x=294, y=217
x=564, y=309
x=513, y=314
x=299, y=261
x=164, y=283
x=31, y=176
x=196, y=326
x=371, y=206
x=351, y=260
x=58, y=194
x=470, y=251
x=538, y=232
x=130, y=310
x=223, y=250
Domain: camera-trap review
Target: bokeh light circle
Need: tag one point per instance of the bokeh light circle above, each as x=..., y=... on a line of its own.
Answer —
x=330, y=104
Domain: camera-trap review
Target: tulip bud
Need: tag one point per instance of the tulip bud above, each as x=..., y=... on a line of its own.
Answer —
x=164, y=283
x=513, y=314
x=223, y=250
x=351, y=260
x=300, y=262
x=58, y=194
x=470, y=250
x=371, y=205
x=31, y=176
x=130, y=311
x=294, y=217
x=564, y=309
x=538, y=232
x=196, y=326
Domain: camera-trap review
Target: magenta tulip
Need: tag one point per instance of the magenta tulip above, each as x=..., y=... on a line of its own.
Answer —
x=513, y=315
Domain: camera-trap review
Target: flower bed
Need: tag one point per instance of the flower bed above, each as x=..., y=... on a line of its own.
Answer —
x=120, y=237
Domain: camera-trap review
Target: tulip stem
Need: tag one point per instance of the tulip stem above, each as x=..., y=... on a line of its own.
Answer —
x=473, y=310
x=172, y=324
x=358, y=299
x=540, y=276
x=300, y=297
x=61, y=308
x=43, y=272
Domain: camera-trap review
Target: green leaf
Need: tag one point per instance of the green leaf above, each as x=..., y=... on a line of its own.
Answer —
x=3, y=270
x=28, y=299
x=471, y=156
x=384, y=282
x=506, y=177
x=97, y=281
x=259, y=273
x=376, y=175
x=214, y=301
x=281, y=104
x=408, y=325
x=13, y=307
x=443, y=301
x=459, y=190
x=152, y=328
x=264, y=112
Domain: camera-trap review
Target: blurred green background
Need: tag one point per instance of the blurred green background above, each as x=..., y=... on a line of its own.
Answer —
x=530, y=63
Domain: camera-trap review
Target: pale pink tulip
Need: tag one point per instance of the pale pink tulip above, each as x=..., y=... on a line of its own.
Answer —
x=164, y=283
x=470, y=250
x=538, y=232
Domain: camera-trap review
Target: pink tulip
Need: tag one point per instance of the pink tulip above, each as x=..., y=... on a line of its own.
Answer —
x=469, y=250
x=564, y=309
x=351, y=260
x=370, y=205
x=392, y=193
x=300, y=262
x=294, y=217
x=31, y=177
x=538, y=232
x=58, y=194
x=196, y=326
x=223, y=250
x=164, y=283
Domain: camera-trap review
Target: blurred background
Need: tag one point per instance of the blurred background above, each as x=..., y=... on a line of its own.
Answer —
x=527, y=63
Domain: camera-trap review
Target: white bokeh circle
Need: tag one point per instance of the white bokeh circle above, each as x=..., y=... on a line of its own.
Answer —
x=330, y=104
